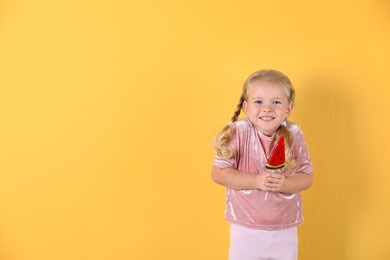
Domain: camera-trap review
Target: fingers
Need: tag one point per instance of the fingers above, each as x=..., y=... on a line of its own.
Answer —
x=273, y=181
x=273, y=178
x=275, y=175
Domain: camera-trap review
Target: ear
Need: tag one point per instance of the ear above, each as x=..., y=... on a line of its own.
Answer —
x=245, y=107
x=289, y=109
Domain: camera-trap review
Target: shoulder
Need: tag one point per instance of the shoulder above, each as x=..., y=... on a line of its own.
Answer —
x=293, y=127
x=243, y=125
x=243, y=129
x=295, y=132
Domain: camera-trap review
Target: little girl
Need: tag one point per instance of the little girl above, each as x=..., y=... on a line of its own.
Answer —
x=262, y=227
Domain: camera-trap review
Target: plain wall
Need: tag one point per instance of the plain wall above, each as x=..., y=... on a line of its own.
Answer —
x=108, y=110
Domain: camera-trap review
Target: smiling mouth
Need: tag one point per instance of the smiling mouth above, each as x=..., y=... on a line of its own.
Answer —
x=267, y=118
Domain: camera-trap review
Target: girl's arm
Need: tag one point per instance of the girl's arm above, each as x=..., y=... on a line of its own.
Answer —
x=236, y=180
x=277, y=182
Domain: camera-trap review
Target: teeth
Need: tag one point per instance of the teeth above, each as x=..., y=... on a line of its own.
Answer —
x=266, y=118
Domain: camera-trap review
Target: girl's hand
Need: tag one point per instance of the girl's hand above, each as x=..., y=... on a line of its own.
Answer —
x=261, y=180
x=274, y=181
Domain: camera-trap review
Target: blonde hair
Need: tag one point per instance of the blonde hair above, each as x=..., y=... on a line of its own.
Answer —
x=223, y=138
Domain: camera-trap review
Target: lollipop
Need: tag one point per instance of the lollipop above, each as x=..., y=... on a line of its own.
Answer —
x=277, y=158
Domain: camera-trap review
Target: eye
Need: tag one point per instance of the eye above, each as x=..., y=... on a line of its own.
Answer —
x=277, y=102
x=258, y=102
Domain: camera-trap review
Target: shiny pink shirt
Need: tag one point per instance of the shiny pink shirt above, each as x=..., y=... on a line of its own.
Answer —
x=249, y=207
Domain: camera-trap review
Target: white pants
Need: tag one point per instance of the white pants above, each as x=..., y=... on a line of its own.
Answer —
x=256, y=244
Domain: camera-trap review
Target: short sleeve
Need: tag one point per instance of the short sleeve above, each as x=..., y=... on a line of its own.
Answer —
x=301, y=153
x=223, y=162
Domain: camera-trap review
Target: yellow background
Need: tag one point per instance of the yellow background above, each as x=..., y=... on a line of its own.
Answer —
x=108, y=109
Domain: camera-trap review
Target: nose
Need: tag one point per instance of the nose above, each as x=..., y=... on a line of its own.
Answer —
x=266, y=108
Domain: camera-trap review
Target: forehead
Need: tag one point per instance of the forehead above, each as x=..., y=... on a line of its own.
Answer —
x=261, y=88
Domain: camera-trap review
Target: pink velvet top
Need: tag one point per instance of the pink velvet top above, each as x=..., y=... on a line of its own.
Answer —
x=249, y=207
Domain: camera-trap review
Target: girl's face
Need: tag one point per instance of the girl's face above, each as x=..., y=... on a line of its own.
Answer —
x=267, y=106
